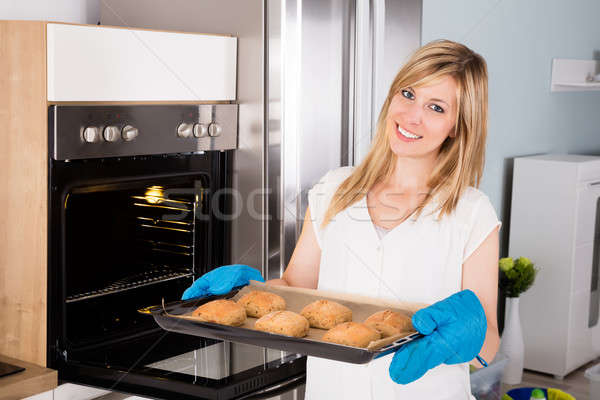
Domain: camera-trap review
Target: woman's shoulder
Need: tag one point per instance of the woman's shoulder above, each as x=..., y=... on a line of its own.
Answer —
x=472, y=202
x=320, y=195
x=337, y=175
x=334, y=177
x=472, y=195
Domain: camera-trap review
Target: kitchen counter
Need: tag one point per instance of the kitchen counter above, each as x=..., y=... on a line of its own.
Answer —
x=33, y=380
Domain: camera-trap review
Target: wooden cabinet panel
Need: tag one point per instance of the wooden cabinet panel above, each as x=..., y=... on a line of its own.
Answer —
x=23, y=198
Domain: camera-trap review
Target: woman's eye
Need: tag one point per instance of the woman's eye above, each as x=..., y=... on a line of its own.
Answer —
x=436, y=108
x=408, y=94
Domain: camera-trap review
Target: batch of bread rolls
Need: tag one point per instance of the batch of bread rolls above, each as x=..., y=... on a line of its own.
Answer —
x=328, y=315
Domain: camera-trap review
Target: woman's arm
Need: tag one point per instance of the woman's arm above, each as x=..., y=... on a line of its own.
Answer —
x=480, y=274
x=303, y=268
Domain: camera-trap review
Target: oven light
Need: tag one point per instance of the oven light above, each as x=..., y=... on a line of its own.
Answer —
x=154, y=194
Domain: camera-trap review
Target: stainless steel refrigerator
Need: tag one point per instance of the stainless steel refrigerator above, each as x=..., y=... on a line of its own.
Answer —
x=311, y=78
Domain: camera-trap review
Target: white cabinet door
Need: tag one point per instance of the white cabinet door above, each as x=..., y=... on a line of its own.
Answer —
x=94, y=63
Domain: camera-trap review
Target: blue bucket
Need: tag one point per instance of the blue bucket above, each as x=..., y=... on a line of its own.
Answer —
x=524, y=393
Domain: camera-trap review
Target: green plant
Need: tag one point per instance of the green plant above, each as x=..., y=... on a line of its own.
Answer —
x=516, y=276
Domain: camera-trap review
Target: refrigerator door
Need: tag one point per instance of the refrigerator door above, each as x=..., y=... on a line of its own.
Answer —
x=329, y=66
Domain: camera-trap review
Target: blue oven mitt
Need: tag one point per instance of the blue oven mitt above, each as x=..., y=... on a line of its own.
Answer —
x=221, y=280
x=454, y=330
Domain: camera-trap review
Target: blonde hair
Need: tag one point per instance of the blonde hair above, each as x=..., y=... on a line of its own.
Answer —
x=460, y=159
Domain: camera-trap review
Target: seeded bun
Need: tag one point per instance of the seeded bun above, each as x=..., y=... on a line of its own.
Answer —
x=326, y=314
x=389, y=323
x=224, y=312
x=352, y=334
x=259, y=303
x=284, y=323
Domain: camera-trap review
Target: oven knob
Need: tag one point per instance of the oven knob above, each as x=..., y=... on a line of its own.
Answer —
x=129, y=133
x=91, y=134
x=185, y=130
x=111, y=133
x=200, y=130
x=214, y=129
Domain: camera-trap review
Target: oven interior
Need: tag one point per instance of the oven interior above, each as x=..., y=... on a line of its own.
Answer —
x=127, y=246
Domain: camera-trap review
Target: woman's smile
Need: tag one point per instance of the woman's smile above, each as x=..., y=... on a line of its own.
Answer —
x=406, y=136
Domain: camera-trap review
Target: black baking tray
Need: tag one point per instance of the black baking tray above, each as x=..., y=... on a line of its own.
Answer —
x=165, y=316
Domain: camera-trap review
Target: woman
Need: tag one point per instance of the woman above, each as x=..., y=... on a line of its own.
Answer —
x=408, y=224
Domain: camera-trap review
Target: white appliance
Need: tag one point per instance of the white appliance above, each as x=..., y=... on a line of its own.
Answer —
x=555, y=221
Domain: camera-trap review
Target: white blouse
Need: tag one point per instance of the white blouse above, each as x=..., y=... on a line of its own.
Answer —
x=420, y=260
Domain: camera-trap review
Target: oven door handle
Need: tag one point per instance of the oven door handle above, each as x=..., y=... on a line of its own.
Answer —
x=276, y=390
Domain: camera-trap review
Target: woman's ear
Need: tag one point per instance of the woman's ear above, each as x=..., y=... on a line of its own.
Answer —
x=452, y=133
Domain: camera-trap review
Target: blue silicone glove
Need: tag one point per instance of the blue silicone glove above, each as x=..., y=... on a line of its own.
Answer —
x=221, y=280
x=454, y=330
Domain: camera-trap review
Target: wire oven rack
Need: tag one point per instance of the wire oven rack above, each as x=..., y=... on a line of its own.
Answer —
x=149, y=277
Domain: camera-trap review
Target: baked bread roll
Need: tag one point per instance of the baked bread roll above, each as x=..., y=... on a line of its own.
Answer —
x=224, y=312
x=326, y=314
x=258, y=303
x=352, y=334
x=389, y=322
x=284, y=323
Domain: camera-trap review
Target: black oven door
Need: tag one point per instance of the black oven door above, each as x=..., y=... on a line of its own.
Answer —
x=126, y=233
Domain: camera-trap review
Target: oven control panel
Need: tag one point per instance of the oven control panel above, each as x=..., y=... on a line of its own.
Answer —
x=81, y=132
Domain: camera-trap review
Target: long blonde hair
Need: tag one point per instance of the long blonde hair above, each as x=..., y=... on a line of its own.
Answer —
x=460, y=159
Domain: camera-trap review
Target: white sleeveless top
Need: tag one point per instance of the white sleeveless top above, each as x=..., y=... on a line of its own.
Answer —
x=417, y=261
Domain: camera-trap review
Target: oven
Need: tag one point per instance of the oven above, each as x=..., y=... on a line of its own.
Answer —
x=140, y=204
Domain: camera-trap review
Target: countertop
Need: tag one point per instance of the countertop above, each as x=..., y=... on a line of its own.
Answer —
x=33, y=380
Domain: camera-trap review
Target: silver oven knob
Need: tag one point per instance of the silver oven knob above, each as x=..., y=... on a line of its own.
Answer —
x=214, y=129
x=200, y=130
x=185, y=130
x=91, y=134
x=129, y=133
x=111, y=133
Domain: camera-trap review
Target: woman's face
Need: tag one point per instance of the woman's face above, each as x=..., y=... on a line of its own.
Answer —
x=420, y=119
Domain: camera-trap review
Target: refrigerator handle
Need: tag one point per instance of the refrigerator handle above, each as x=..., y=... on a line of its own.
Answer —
x=363, y=80
x=594, y=185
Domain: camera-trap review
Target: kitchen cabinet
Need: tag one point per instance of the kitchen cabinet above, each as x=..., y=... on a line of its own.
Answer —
x=91, y=63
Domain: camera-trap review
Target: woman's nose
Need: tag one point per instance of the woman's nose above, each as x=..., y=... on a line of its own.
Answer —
x=414, y=114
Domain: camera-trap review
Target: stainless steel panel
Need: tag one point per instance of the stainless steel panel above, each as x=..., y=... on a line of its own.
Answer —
x=157, y=127
x=363, y=80
x=243, y=19
x=387, y=32
x=398, y=34
x=273, y=22
x=310, y=96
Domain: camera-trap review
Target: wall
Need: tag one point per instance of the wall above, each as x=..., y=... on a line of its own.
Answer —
x=76, y=11
x=519, y=39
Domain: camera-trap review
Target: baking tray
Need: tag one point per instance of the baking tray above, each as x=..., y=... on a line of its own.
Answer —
x=175, y=317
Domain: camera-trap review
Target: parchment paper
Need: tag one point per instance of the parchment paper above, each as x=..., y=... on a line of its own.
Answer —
x=296, y=298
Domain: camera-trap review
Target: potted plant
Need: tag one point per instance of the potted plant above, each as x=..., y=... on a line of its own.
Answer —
x=515, y=277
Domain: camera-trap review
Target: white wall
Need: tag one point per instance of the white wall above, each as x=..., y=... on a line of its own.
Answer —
x=518, y=39
x=76, y=11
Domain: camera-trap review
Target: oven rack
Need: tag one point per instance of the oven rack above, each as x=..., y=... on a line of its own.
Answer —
x=149, y=277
